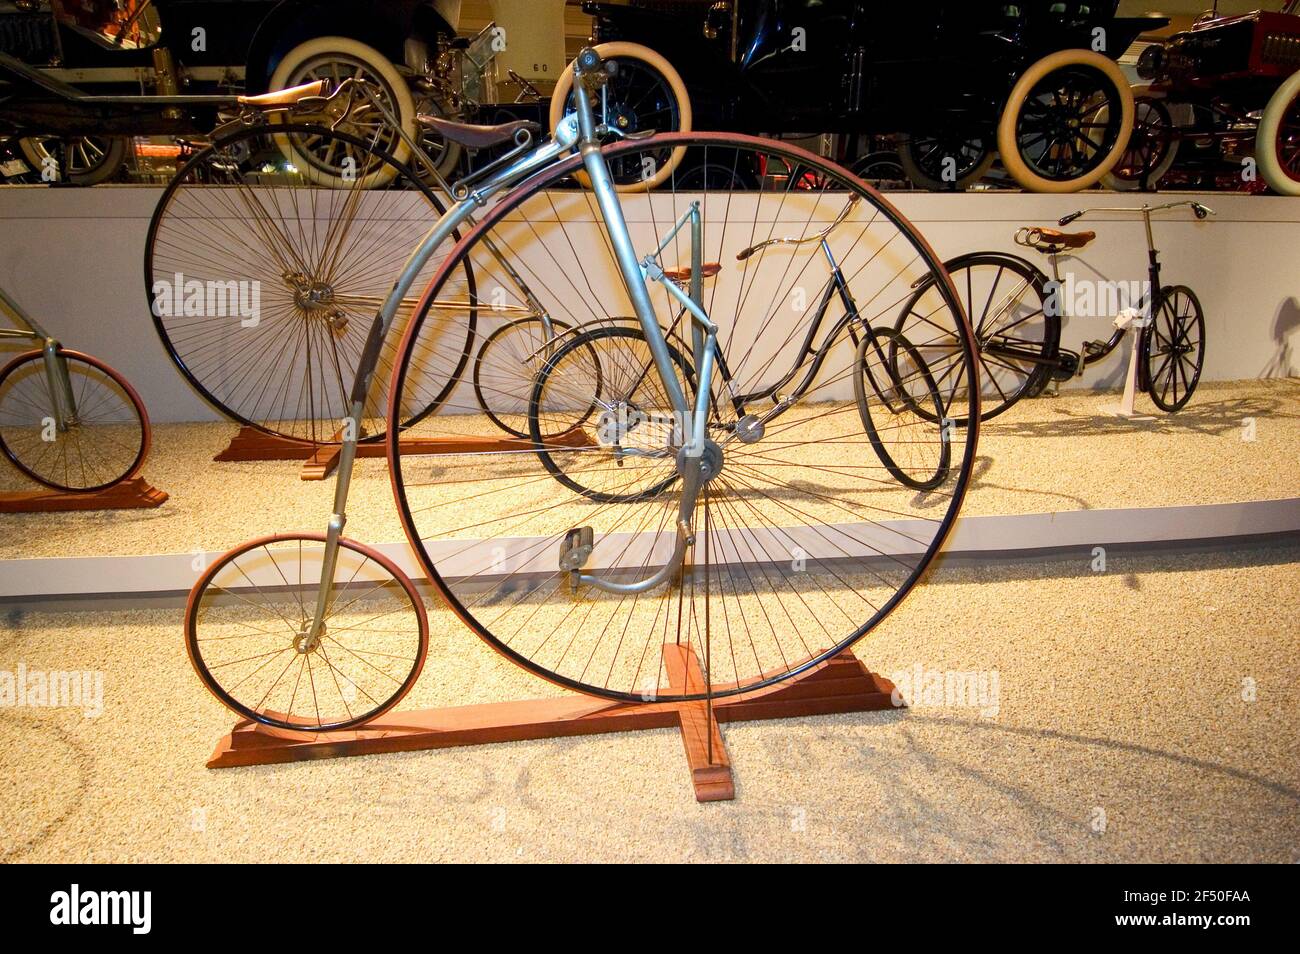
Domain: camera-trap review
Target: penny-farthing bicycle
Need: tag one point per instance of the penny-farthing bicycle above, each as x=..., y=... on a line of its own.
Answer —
x=757, y=526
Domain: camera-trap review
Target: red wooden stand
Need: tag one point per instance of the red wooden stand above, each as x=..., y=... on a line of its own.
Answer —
x=134, y=494
x=842, y=685
x=319, y=460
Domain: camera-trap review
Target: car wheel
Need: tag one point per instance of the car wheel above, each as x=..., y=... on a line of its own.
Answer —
x=81, y=160
x=1048, y=136
x=1277, y=143
x=1152, y=147
x=336, y=58
x=645, y=93
x=949, y=162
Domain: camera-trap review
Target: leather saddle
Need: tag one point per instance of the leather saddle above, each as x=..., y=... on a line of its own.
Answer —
x=477, y=137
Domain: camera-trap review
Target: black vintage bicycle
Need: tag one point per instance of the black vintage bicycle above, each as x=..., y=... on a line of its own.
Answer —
x=1016, y=312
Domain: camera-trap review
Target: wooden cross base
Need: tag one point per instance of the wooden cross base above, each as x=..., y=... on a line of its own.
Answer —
x=319, y=460
x=843, y=684
x=134, y=494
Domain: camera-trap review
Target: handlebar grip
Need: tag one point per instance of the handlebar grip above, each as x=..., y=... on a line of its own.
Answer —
x=1067, y=219
x=588, y=61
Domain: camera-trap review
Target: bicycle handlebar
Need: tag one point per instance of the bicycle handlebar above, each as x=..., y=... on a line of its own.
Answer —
x=1202, y=211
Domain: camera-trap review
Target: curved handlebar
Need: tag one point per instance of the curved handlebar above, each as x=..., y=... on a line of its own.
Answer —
x=1202, y=211
x=744, y=253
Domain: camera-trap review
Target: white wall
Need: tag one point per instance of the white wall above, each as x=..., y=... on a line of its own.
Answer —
x=74, y=258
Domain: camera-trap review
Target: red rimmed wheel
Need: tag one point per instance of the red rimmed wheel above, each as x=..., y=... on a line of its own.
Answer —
x=100, y=440
x=804, y=540
x=249, y=633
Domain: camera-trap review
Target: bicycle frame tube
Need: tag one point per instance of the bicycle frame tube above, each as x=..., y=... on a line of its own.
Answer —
x=56, y=367
x=457, y=215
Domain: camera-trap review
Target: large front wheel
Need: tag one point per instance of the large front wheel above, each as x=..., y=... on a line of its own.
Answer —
x=801, y=539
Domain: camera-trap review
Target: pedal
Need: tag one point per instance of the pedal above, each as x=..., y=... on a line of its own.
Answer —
x=575, y=551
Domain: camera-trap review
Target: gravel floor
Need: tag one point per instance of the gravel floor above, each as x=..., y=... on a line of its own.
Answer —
x=1144, y=713
x=1044, y=455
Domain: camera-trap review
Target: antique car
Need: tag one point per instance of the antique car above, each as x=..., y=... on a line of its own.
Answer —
x=960, y=80
x=55, y=53
x=1224, y=97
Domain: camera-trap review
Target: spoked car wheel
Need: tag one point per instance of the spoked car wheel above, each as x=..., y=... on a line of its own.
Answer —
x=80, y=160
x=1016, y=330
x=1173, y=348
x=804, y=539
x=264, y=283
x=945, y=161
x=1152, y=147
x=251, y=634
x=902, y=410
x=1277, y=144
x=335, y=59
x=101, y=440
x=1050, y=137
x=644, y=93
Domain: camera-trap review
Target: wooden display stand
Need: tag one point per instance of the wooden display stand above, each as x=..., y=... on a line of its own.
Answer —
x=319, y=460
x=843, y=684
x=134, y=494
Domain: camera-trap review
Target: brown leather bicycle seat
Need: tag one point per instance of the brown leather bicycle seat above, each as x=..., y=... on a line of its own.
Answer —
x=287, y=96
x=477, y=137
x=683, y=274
x=1061, y=239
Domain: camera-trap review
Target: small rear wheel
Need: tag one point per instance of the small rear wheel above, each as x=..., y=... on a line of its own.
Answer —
x=506, y=367
x=1173, y=348
x=101, y=440
x=250, y=635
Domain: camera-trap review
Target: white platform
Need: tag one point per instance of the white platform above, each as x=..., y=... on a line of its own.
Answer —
x=986, y=536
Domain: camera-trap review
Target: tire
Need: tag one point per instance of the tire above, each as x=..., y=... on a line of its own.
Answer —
x=503, y=384
x=333, y=58
x=96, y=454
x=1277, y=143
x=1081, y=69
x=268, y=619
x=489, y=526
x=1151, y=151
x=291, y=375
x=652, y=63
x=922, y=157
x=94, y=159
x=1173, y=348
x=901, y=383
x=630, y=412
x=981, y=280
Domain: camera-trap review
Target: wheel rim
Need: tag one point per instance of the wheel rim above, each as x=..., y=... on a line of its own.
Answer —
x=931, y=154
x=1175, y=350
x=489, y=527
x=250, y=636
x=1005, y=301
x=507, y=365
x=316, y=261
x=357, y=117
x=1149, y=143
x=104, y=442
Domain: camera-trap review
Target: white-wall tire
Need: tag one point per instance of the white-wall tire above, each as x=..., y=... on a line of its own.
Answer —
x=1281, y=119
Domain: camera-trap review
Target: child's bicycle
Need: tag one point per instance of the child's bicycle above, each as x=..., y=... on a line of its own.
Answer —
x=1016, y=311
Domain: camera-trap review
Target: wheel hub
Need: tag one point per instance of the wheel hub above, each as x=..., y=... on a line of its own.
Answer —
x=709, y=462
x=304, y=642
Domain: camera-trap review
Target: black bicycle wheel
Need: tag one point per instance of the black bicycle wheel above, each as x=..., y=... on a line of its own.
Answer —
x=263, y=284
x=802, y=539
x=101, y=440
x=891, y=383
x=1173, y=348
x=1017, y=330
x=608, y=377
x=506, y=368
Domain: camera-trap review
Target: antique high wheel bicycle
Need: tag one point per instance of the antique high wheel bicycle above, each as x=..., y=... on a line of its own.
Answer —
x=758, y=526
